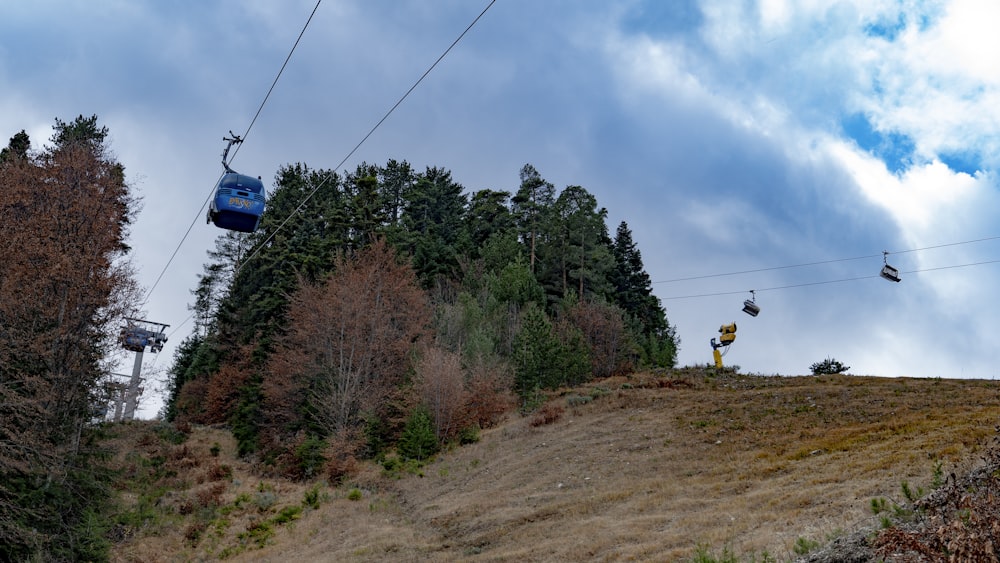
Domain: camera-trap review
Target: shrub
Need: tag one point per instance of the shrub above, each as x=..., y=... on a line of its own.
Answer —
x=910, y=493
x=341, y=455
x=265, y=500
x=489, y=394
x=211, y=496
x=828, y=366
x=804, y=546
x=258, y=532
x=469, y=435
x=310, y=498
x=287, y=514
x=548, y=414
x=879, y=505
x=391, y=463
x=309, y=455
x=193, y=533
x=220, y=473
x=173, y=434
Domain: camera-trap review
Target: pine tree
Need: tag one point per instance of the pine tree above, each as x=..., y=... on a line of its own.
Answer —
x=488, y=216
x=17, y=148
x=417, y=440
x=435, y=207
x=536, y=358
x=579, y=245
x=633, y=292
x=531, y=207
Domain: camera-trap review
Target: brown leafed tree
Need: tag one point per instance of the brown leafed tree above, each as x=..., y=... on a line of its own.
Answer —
x=607, y=337
x=490, y=391
x=348, y=344
x=222, y=390
x=441, y=385
x=64, y=286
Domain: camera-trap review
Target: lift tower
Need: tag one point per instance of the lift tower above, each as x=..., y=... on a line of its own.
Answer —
x=135, y=336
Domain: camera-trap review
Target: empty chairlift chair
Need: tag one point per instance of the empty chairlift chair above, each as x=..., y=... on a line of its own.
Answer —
x=750, y=306
x=888, y=272
x=239, y=200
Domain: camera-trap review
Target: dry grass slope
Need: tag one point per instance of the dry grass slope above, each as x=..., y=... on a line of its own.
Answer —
x=640, y=468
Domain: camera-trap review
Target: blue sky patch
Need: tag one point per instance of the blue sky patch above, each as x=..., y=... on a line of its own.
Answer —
x=886, y=29
x=966, y=161
x=894, y=149
x=660, y=19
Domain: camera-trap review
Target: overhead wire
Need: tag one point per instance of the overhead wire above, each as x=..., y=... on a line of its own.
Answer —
x=831, y=261
x=806, y=284
x=260, y=108
x=309, y=196
x=315, y=189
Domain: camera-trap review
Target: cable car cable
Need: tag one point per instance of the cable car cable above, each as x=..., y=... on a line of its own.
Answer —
x=767, y=269
x=244, y=136
x=740, y=292
x=824, y=261
x=309, y=196
x=313, y=192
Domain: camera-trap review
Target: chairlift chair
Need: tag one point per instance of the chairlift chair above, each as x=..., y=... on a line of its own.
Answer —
x=888, y=272
x=750, y=307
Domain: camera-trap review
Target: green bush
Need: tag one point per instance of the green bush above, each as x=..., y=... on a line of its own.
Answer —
x=287, y=514
x=469, y=435
x=828, y=366
x=391, y=463
x=879, y=505
x=804, y=546
x=310, y=498
x=265, y=500
x=309, y=458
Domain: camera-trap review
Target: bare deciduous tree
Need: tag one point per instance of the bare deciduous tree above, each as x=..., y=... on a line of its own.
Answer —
x=348, y=344
x=441, y=385
x=607, y=337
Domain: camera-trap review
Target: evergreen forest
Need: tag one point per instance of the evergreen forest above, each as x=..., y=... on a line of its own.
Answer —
x=386, y=308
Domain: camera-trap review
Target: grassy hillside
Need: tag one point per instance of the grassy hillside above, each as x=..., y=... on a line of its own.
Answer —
x=655, y=467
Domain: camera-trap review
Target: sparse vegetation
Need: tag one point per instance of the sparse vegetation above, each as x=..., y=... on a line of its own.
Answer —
x=311, y=498
x=635, y=457
x=879, y=505
x=549, y=413
x=805, y=545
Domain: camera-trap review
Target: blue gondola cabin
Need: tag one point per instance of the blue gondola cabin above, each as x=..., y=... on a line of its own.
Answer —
x=238, y=203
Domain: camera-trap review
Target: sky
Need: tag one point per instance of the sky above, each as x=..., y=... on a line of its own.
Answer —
x=740, y=141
